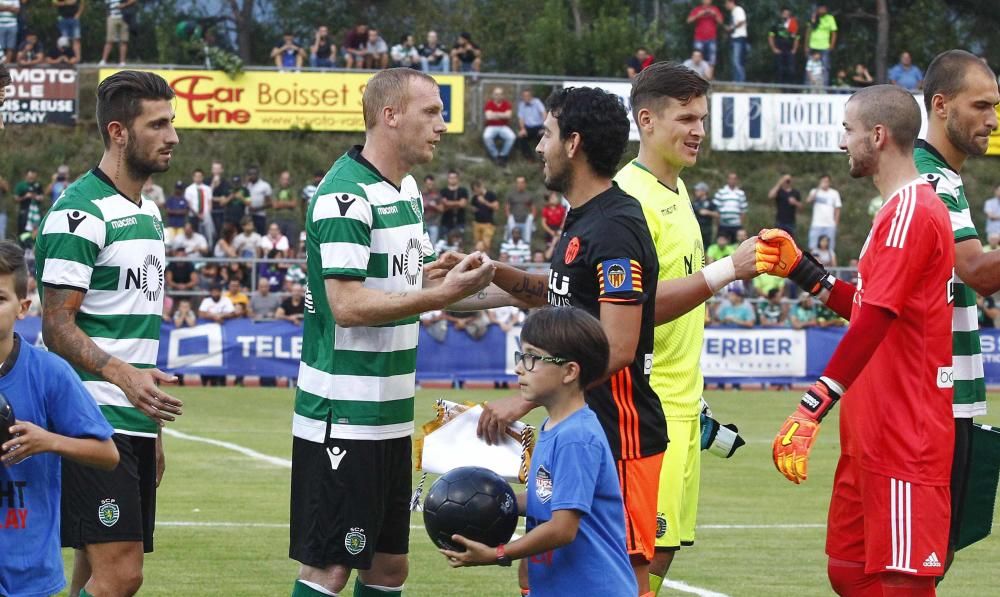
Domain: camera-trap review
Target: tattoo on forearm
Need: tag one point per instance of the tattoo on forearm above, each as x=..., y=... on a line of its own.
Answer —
x=529, y=287
x=482, y=294
x=64, y=337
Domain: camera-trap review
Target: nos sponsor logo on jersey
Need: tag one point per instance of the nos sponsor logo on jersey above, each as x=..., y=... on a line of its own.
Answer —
x=410, y=262
x=148, y=278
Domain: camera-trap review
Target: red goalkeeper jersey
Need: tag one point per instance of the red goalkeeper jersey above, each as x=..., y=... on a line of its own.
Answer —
x=897, y=415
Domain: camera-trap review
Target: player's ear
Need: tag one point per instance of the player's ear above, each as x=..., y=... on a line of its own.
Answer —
x=25, y=304
x=572, y=144
x=938, y=106
x=644, y=118
x=118, y=133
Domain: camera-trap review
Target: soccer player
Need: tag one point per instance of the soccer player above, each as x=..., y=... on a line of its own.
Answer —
x=887, y=529
x=604, y=263
x=669, y=105
x=575, y=540
x=366, y=251
x=99, y=263
x=960, y=94
x=56, y=417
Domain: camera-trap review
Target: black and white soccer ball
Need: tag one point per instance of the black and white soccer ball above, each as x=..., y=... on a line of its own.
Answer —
x=473, y=502
x=6, y=420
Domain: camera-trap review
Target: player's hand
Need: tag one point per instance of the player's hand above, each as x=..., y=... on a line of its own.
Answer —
x=141, y=390
x=791, y=262
x=471, y=275
x=475, y=554
x=791, y=447
x=31, y=439
x=497, y=415
x=445, y=263
x=753, y=258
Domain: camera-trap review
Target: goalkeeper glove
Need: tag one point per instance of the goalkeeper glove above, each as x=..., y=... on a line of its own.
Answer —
x=792, y=263
x=791, y=446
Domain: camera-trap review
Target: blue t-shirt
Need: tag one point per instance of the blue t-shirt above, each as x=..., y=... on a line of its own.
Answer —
x=573, y=469
x=175, y=203
x=43, y=390
x=907, y=78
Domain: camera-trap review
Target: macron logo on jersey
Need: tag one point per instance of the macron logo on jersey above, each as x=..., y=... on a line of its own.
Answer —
x=901, y=219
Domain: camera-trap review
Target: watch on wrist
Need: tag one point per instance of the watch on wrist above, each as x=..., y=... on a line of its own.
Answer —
x=502, y=558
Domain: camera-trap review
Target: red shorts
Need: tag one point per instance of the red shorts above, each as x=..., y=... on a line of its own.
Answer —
x=889, y=524
x=640, y=483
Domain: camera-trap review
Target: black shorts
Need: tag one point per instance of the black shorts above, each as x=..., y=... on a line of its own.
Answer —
x=105, y=506
x=344, y=515
x=961, y=461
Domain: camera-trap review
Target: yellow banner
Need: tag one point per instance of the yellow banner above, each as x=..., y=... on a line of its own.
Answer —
x=329, y=101
x=994, y=148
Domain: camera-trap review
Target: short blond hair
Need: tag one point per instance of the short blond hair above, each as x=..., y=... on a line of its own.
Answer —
x=389, y=87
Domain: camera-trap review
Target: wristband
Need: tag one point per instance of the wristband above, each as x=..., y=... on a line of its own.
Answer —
x=719, y=273
x=809, y=274
x=502, y=558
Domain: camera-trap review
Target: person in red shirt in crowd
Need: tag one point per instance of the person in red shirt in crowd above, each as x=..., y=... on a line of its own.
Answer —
x=888, y=525
x=355, y=46
x=639, y=61
x=706, y=18
x=553, y=215
x=498, y=113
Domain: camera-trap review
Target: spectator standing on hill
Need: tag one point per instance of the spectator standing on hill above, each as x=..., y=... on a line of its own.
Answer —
x=553, y=215
x=454, y=200
x=784, y=41
x=906, y=74
x=4, y=190
x=234, y=205
x=466, y=57
x=816, y=73
x=285, y=212
x=405, y=54
x=520, y=209
x=220, y=194
x=433, y=56
x=731, y=202
x=177, y=209
x=432, y=208
x=287, y=53
x=117, y=29
x=992, y=210
x=706, y=19
x=323, y=50
x=705, y=212
x=484, y=208
x=738, y=41
x=826, y=213
x=822, y=36
x=199, y=198
x=27, y=192
x=787, y=201
x=355, y=46
x=69, y=12
x=498, y=113
x=261, y=194
x=640, y=60
x=530, y=116
x=309, y=190
x=60, y=180
x=376, y=51
x=9, y=10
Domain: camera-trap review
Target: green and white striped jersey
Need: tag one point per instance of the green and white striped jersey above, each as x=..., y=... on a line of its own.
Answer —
x=967, y=359
x=360, y=381
x=96, y=240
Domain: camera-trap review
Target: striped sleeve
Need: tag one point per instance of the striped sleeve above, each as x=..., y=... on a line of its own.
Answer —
x=342, y=223
x=71, y=238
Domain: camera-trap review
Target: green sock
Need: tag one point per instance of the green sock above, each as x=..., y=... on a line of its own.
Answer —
x=363, y=590
x=84, y=593
x=301, y=589
x=655, y=582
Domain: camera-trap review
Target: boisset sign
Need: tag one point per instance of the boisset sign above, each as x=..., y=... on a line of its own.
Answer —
x=327, y=101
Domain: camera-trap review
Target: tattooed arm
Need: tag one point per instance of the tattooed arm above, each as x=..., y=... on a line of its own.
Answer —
x=64, y=337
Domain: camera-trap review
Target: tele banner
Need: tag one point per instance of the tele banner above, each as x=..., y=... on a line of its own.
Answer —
x=41, y=96
x=272, y=101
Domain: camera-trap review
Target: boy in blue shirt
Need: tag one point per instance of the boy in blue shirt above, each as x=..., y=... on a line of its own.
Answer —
x=575, y=542
x=56, y=417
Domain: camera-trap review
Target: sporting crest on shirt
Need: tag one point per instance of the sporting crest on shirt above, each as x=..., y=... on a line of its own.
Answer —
x=108, y=512
x=415, y=206
x=543, y=485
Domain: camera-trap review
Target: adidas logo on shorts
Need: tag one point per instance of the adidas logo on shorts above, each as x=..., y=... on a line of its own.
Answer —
x=932, y=561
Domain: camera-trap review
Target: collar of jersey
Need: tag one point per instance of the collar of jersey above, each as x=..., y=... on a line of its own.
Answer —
x=639, y=165
x=107, y=180
x=355, y=154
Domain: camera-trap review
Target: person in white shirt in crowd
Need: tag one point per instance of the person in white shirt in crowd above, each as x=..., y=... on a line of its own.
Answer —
x=530, y=116
x=506, y=318
x=376, y=51
x=517, y=249
x=247, y=242
x=216, y=306
x=433, y=56
x=405, y=54
x=731, y=203
x=698, y=64
x=154, y=192
x=261, y=195
x=191, y=242
x=826, y=213
x=274, y=240
x=992, y=211
x=199, y=198
x=738, y=40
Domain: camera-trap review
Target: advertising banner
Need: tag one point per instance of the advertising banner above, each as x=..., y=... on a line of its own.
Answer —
x=41, y=96
x=801, y=122
x=622, y=90
x=753, y=353
x=266, y=100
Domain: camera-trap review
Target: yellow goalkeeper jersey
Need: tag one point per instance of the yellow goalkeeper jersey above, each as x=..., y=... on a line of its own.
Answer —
x=676, y=375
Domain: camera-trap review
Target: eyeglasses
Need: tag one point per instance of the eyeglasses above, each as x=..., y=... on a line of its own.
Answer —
x=529, y=359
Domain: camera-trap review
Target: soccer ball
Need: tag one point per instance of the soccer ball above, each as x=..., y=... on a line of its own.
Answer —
x=6, y=419
x=473, y=502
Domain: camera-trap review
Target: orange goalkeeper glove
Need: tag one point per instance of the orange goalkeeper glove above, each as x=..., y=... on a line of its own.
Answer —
x=791, y=446
x=792, y=263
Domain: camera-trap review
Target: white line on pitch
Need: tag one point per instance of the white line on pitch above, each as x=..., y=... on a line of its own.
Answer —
x=686, y=588
x=269, y=525
x=282, y=462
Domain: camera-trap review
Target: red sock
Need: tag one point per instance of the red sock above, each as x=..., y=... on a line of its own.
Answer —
x=848, y=579
x=895, y=584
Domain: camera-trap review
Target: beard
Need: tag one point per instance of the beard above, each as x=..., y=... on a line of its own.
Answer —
x=863, y=163
x=140, y=167
x=558, y=180
x=964, y=140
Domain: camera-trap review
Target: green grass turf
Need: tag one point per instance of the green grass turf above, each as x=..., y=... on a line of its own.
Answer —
x=208, y=484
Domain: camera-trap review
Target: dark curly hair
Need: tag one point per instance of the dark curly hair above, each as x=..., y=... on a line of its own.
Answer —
x=599, y=118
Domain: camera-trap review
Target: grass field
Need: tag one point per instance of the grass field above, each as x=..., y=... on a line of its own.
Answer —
x=222, y=514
